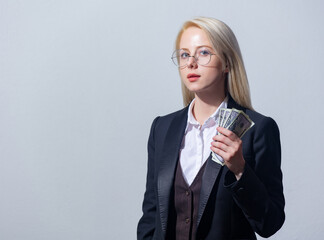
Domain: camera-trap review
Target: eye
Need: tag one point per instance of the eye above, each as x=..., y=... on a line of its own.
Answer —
x=204, y=52
x=184, y=55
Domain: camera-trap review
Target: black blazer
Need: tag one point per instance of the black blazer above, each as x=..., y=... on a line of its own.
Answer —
x=228, y=209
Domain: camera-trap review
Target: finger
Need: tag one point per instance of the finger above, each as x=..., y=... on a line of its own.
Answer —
x=223, y=139
x=220, y=152
x=227, y=133
x=220, y=145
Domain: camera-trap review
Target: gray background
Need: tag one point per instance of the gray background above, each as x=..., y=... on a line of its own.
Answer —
x=81, y=82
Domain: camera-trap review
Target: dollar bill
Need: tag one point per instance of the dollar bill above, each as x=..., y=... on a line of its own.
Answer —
x=231, y=118
x=241, y=124
x=218, y=159
x=221, y=115
x=227, y=112
x=234, y=120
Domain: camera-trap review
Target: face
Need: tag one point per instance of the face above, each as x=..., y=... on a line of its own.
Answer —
x=197, y=78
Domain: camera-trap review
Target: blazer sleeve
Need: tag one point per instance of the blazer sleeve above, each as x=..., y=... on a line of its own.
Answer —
x=259, y=191
x=146, y=225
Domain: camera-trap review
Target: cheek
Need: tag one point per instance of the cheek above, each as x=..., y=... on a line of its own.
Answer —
x=216, y=72
x=213, y=77
x=212, y=74
x=182, y=75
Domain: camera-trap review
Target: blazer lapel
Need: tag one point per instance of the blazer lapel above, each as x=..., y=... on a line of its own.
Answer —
x=209, y=177
x=212, y=171
x=168, y=163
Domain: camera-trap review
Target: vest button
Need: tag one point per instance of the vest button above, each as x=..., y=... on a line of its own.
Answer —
x=187, y=193
x=187, y=220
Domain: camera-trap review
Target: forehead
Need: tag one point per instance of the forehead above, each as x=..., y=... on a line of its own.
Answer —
x=194, y=37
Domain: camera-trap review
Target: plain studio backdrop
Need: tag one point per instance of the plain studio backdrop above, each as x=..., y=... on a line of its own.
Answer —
x=81, y=82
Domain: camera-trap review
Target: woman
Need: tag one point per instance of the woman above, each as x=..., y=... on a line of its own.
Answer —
x=188, y=194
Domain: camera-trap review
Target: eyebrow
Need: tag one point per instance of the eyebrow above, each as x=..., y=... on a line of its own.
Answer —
x=199, y=47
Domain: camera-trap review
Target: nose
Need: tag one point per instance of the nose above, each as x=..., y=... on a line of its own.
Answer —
x=192, y=62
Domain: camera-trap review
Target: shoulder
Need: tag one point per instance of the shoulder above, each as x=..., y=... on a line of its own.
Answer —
x=262, y=123
x=172, y=115
x=172, y=122
x=261, y=144
x=263, y=135
x=166, y=120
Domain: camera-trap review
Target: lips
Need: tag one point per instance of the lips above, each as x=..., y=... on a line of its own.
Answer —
x=193, y=77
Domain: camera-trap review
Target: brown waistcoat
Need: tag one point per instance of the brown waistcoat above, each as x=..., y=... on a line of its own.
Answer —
x=186, y=202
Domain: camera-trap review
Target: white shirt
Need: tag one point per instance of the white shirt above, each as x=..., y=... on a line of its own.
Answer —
x=196, y=143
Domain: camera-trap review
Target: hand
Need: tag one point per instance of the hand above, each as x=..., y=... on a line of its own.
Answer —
x=229, y=147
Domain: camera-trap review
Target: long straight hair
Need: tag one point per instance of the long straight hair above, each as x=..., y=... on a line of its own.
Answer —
x=227, y=48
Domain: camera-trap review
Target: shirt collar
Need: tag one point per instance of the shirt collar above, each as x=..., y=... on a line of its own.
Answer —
x=191, y=121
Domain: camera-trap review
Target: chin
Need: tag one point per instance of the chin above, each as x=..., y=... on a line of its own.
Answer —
x=208, y=87
x=196, y=88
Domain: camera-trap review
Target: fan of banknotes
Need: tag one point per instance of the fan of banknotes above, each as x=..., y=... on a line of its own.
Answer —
x=236, y=121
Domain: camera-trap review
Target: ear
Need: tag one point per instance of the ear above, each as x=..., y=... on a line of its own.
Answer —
x=226, y=70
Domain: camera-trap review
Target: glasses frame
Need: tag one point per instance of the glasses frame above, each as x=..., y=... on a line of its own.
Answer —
x=196, y=59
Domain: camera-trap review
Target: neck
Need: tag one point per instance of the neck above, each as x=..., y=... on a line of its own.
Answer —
x=206, y=105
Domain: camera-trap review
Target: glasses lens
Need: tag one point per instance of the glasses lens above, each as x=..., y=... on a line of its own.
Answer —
x=175, y=58
x=180, y=57
x=203, y=60
x=203, y=57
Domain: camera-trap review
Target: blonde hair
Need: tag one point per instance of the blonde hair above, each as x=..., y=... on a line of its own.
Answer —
x=226, y=46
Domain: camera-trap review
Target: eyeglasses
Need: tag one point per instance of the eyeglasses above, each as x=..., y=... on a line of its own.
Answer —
x=180, y=57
